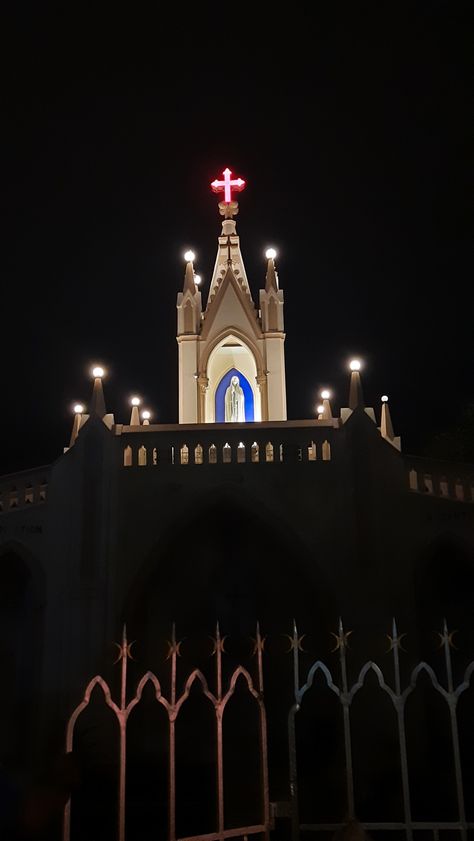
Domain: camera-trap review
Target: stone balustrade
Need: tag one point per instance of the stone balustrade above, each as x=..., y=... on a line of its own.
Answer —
x=443, y=479
x=18, y=490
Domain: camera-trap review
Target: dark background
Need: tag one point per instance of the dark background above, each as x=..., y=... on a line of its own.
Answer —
x=350, y=124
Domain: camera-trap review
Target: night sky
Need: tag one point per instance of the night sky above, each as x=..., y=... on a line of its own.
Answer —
x=352, y=131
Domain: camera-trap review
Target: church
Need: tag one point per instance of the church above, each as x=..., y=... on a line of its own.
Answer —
x=234, y=515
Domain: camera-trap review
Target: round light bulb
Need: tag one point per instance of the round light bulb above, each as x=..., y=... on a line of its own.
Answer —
x=98, y=372
x=78, y=409
x=325, y=394
x=146, y=415
x=320, y=410
x=197, y=279
x=189, y=256
x=384, y=398
x=135, y=401
x=270, y=254
x=354, y=365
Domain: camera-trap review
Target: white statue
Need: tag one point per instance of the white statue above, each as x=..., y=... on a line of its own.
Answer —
x=234, y=402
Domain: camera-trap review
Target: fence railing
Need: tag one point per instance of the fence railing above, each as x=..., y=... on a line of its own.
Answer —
x=307, y=692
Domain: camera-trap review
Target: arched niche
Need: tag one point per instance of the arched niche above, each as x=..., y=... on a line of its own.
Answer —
x=249, y=403
x=231, y=354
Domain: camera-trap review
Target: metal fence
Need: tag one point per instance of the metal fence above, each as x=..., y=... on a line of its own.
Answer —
x=341, y=690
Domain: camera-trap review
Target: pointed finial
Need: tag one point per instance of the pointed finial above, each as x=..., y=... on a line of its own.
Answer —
x=189, y=282
x=356, y=397
x=320, y=411
x=271, y=279
x=135, y=416
x=97, y=404
x=386, y=428
x=327, y=412
x=146, y=415
x=78, y=412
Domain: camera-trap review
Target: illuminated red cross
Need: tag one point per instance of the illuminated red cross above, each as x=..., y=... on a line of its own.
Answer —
x=226, y=185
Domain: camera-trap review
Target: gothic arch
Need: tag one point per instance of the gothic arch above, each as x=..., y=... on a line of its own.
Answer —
x=231, y=349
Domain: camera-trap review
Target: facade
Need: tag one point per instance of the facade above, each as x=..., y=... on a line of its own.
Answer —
x=216, y=518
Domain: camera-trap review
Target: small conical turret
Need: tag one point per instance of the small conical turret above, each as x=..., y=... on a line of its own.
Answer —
x=271, y=279
x=97, y=404
x=356, y=397
x=135, y=415
x=78, y=413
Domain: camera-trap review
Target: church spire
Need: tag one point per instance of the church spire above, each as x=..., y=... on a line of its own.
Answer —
x=97, y=404
x=356, y=397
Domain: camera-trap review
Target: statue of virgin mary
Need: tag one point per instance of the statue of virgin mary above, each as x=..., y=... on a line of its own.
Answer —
x=234, y=402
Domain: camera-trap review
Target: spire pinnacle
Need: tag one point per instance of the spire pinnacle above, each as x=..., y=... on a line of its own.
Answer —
x=356, y=397
x=97, y=404
x=386, y=428
x=271, y=279
x=189, y=284
x=135, y=415
x=327, y=411
x=78, y=412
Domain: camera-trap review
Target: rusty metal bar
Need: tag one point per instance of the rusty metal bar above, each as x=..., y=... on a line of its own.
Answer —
x=220, y=750
x=452, y=703
x=395, y=644
x=123, y=736
x=260, y=643
x=173, y=652
x=341, y=645
x=293, y=769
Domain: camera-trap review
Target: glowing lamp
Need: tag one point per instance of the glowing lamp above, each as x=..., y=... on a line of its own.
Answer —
x=78, y=409
x=98, y=372
x=325, y=394
x=354, y=365
x=270, y=254
x=320, y=410
x=384, y=398
x=197, y=279
x=189, y=256
x=146, y=415
x=135, y=401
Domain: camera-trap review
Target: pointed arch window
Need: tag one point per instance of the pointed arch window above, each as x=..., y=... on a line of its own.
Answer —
x=326, y=451
x=269, y=451
x=254, y=453
x=198, y=454
x=226, y=453
x=212, y=454
x=184, y=454
x=127, y=456
x=142, y=456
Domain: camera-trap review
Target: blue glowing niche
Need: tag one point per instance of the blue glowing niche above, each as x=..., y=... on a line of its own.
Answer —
x=220, y=395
